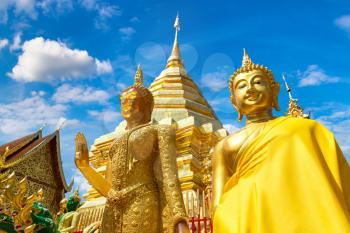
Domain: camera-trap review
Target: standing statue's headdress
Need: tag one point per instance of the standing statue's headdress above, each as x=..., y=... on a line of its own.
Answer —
x=141, y=89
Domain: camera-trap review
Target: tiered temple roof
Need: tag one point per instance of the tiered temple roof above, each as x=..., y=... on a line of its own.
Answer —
x=38, y=158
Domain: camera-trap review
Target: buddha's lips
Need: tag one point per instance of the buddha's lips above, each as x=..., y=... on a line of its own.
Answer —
x=252, y=97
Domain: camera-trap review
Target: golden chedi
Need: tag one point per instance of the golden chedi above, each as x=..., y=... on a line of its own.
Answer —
x=277, y=174
x=141, y=185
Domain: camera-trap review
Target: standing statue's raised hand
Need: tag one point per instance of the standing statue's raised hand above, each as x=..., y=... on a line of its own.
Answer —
x=81, y=151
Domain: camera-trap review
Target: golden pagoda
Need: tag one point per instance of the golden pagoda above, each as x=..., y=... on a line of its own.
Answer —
x=177, y=102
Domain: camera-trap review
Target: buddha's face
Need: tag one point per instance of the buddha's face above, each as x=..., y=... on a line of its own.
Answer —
x=131, y=105
x=253, y=93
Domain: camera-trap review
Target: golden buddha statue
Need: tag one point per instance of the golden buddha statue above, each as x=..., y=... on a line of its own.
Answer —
x=69, y=216
x=141, y=186
x=62, y=210
x=277, y=174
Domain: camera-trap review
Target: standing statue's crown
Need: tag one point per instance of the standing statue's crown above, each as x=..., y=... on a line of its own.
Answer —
x=141, y=89
x=248, y=65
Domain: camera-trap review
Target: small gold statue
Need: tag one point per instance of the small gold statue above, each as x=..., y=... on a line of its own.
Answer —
x=63, y=209
x=141, y=185
x=69, y=219
x=277, y=174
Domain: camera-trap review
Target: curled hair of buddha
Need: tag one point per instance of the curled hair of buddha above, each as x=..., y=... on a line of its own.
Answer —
x=146, y=94
x=248, y=65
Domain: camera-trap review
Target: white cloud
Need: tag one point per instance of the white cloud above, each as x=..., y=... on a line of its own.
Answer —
x=336, y=117
x=125, y=64
x=121, y=86
x=16, y=44
x=103, y=67
x=152, y=57
x=81, y=182
x=31, y=113
x=343, y=22
x=215, y=81
x=108, y=11
x=64, y=122
x=79, y=94
x=30, y=8
x=134, y=19
x=3, y=43
x=231, y=128
x=48, y=60
x=25, y=7
x=106, y=115
x=89, y=4
x=219, y=102
x=51, y=6
x=127, y=32
x=104, y=12
x=314, y=76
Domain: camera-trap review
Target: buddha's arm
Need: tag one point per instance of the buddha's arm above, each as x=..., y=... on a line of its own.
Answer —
x=82, y=162
x=95, y=179
x=170, y=184
x=220, y=174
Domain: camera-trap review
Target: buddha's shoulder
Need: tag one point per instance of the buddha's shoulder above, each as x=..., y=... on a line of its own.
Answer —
x=230, y=143
x=299, y=123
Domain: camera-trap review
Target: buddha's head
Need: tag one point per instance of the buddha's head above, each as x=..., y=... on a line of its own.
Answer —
x=73, y=202
x=253, y=89
x=136, y=101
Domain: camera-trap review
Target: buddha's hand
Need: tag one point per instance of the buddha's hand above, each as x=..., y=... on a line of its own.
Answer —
x=81, y=151
x=182, y=227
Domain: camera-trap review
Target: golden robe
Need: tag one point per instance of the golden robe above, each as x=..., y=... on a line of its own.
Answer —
x=292, y=178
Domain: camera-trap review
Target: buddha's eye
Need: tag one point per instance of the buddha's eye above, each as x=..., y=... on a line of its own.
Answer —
x=241, y=86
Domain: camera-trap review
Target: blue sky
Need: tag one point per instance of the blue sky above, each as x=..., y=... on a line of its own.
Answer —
x=67, y=60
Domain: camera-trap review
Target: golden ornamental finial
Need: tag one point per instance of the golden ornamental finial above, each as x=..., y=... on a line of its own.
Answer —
x=246, y=61
x=294, y=108
x=287, y=87
x=175, y=57
x=138, y=77
x=177, y=24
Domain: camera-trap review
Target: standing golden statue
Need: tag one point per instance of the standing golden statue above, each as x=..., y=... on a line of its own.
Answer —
x=141, y=186
x=284, y=174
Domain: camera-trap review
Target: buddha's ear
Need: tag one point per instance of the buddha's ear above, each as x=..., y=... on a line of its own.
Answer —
x=275, y=87
x=234, y=103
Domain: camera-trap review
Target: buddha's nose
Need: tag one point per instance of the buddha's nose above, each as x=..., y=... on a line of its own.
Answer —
x=250, y=90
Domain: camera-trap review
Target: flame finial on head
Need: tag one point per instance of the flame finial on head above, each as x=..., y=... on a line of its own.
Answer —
x=246, y=61
x=138, y=77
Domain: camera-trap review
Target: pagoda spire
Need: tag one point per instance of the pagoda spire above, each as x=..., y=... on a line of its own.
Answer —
x=175, y=57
